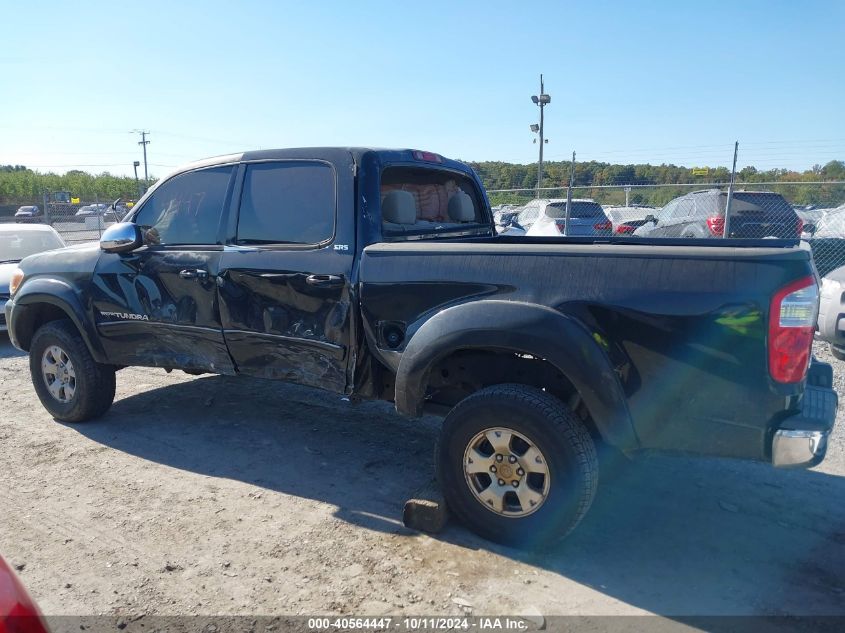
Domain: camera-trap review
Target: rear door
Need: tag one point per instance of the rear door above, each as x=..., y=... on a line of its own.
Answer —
x=285, y=283
x=157, y=305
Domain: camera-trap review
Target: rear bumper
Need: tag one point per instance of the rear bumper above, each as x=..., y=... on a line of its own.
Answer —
x=801, y=439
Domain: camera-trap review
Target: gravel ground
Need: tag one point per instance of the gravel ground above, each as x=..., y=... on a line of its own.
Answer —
x=215, y=495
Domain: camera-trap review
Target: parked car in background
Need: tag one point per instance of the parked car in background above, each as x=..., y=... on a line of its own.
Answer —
x=29, y=213
x=586, y=218
x=17, y=242
x=828, y=240
x=626, y=220
x=810, y=218
x=93, y=209
x=506, y=220
x=831, y=321
x=18, y=612
x=701, y=214
x=831, y=223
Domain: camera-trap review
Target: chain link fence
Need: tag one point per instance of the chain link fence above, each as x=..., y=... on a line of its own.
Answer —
x=760, y=210
x=77, y=221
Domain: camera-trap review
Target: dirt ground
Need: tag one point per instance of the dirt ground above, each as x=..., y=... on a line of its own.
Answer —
x=220, y=496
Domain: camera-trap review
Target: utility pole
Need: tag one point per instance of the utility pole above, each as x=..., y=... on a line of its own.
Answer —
x=727, y=231
x=540, y=100
x=144, y=142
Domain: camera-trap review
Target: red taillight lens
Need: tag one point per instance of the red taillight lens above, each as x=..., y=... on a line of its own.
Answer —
x=799, y=229
x=603, y=226
x=625, y=228
x=716, y=224
x=792, y=320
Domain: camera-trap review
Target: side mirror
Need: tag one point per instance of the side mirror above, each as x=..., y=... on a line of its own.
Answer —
x=115, y=203
x=121, y=238
x=651, y=218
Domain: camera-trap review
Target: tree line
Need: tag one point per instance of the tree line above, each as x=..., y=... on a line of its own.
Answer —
x=590, y=175
x=20, y=185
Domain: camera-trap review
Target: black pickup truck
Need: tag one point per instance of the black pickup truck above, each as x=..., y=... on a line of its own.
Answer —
x=378, y=274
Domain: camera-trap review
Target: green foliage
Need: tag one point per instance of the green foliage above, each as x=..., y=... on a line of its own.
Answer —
x=498, y=175
x=19, y=185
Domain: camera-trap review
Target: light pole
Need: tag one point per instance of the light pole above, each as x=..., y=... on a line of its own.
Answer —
x=540, y=100
x=137, y=184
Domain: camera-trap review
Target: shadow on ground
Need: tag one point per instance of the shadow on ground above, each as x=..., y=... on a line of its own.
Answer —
x=7, y=350
x=672, y=536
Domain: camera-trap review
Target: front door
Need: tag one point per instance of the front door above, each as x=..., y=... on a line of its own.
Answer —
x=285, y=291
x=157, y=306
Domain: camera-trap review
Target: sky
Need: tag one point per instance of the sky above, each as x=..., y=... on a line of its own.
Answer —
x=630, y=82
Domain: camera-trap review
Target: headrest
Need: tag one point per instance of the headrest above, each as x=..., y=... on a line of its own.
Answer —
x=461, y=208
x=399, y=207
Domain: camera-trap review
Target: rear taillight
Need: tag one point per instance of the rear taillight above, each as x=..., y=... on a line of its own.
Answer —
x=625, y=228
x=716, y=224
x=792, y=320
x=603, y=226
x=799, y=229
x=561, y=226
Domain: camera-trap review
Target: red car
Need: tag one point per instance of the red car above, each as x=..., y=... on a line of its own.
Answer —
x=18, y=613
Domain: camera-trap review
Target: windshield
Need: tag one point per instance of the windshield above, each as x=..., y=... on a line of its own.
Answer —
x=580, y=209
x=15, y=245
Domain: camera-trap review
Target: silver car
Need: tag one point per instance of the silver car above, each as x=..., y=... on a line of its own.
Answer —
x=831, y=322
x=548, y=218
x=16, y=242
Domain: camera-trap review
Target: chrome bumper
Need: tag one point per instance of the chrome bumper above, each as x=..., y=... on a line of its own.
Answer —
x=794, y=449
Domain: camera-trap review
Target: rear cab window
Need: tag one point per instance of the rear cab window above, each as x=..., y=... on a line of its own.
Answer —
x=419, y=202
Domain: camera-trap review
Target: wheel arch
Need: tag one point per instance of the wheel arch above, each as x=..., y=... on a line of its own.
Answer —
x=40, y=301
x=519, y=329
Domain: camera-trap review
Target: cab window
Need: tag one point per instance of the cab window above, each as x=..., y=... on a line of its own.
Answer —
x=288, y=202
x=186, y=209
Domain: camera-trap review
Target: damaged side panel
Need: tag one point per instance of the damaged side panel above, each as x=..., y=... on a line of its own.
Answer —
x=147, y=313
x=279, y=325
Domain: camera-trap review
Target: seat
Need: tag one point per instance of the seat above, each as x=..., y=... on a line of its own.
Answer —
x=398, y=209
x=461, y=209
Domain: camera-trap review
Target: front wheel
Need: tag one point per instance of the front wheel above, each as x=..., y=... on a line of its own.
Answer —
x=837, y=352
x=71, y=385
x=516, y=465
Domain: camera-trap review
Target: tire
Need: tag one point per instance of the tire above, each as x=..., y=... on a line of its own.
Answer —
x=536, y=419
x=90, y=391
x=836, y=352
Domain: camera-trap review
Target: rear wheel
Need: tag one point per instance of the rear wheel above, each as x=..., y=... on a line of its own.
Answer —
x=516, y=465
x=837, y=352
x=71, y=385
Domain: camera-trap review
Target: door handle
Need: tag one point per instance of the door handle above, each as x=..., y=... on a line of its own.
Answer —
x=194, y=274
x=325, y=281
